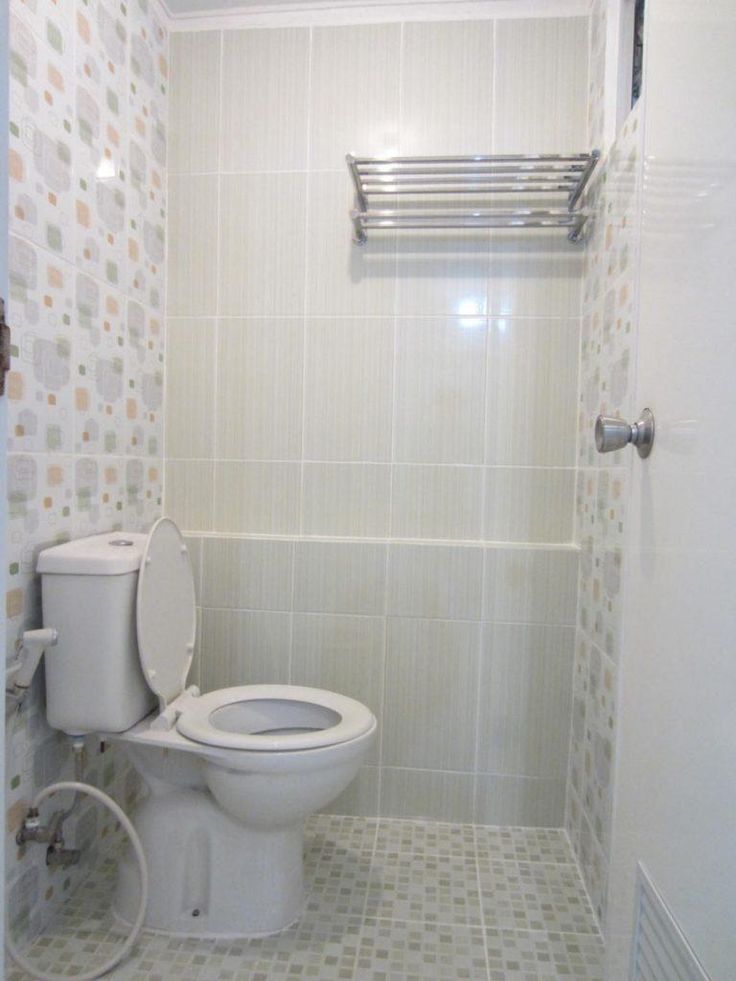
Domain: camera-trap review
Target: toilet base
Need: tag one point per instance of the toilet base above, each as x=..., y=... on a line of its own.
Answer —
x=210, y=876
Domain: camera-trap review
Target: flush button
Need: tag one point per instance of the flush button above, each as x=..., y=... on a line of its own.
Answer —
x=121, y=542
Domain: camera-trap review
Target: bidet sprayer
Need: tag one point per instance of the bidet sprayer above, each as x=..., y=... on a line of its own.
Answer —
x=34, y=643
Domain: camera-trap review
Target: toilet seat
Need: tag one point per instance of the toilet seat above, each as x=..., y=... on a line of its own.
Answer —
x=273, y=718
x=250, y=718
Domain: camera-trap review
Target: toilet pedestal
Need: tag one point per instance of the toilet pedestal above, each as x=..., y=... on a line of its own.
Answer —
x=210, y=876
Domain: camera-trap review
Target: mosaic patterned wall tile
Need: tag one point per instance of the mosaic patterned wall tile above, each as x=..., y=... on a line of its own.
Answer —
x=608, y=349
x=88, y=110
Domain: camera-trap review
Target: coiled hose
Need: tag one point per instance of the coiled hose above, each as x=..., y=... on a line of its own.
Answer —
x=122, y=817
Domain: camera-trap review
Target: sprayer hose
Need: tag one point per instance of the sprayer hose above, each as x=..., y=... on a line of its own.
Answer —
x=122, y=817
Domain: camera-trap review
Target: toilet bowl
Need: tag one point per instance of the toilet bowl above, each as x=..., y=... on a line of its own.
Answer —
x=231, y=774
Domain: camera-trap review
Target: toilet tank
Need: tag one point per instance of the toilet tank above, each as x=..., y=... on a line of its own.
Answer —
x=94, y=680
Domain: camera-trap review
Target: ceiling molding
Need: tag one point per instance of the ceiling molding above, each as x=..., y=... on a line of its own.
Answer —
x=298, y=13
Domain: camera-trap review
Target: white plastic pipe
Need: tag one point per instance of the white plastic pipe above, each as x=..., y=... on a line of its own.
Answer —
x=122, y=817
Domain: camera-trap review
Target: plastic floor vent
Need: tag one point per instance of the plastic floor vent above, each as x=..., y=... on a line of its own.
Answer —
x=660, y=951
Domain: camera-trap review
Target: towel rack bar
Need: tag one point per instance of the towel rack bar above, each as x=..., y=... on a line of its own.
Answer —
x=419, y=179
x=417, y=218
x=387, y=170
x=495, y=158
x=489, y=176
x=474, y=219
x=508, y=187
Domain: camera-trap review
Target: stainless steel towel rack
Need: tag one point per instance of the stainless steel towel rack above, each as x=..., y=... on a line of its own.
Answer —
x=469, y=179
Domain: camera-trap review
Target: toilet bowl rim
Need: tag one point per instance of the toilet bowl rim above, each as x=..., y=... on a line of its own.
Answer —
x=196, y=719
x=298, y=761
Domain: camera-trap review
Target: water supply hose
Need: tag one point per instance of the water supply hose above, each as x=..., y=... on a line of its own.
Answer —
x=122, y=817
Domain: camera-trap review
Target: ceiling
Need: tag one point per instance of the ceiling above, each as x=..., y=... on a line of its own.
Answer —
x=352, y=10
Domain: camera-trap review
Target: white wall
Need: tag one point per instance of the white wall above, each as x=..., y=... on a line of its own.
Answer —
x=676, y=775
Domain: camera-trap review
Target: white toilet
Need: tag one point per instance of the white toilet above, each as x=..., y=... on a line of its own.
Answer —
x=232, y=774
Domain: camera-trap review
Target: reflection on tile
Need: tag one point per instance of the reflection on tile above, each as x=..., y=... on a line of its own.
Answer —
x=534, y=274
x=431, y=678
x=447, y=87
x=189, y=494
x=345, y=279
x=535, y=896
x=342, y=654
x=194, y=547
x=242, y=647
x=442, y=273
x=350, y=499
x=530, y=403
x=262, y=231
x=257, y=498
x=264, y=106
x=193, y=110
x=435, y=581
x=525, y=585
x=325, y=836
x=437, y=502
x=431, y=889
x=348, y=382
x=524, y=725
x=355, y=93
x=426, y=837
x=439, y=390
x=190, y=371
x=259, y=389
x=524, y=504
x=516, y=844
x=360, y=798
x=339, y=577
x=529, y=801
x=420, y=951
x=516, y=955
x=192, y=233
x=541, y=95
x=247, y=574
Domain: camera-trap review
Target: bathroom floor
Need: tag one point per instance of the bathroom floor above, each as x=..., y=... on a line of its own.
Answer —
x=387, y=899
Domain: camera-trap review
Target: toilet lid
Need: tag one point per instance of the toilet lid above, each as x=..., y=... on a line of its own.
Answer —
x=165, y=612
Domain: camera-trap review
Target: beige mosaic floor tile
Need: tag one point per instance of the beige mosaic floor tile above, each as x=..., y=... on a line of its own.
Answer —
x=524, y=844
x=330, y=833
x=425, y=837
x=338, y=886
x=515, y=955
x=387, y=901
x=535, y=896
x=424, y=888
x=394, y=951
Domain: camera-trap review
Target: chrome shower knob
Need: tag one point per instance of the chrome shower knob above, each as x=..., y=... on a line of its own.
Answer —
x=613, y=434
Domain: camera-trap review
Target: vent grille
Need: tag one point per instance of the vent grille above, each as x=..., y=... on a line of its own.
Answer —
x=660, y=950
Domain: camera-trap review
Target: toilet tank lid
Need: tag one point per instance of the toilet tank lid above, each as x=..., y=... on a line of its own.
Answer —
x=112, y=554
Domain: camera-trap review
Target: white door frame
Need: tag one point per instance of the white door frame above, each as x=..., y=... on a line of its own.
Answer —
x=4, y=214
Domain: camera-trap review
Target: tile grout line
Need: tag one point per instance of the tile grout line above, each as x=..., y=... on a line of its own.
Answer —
x=391, y=472
x=218, y=274
x=478, y=883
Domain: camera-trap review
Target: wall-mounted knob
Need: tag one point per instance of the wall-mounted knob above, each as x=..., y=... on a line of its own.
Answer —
x=613, y=434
